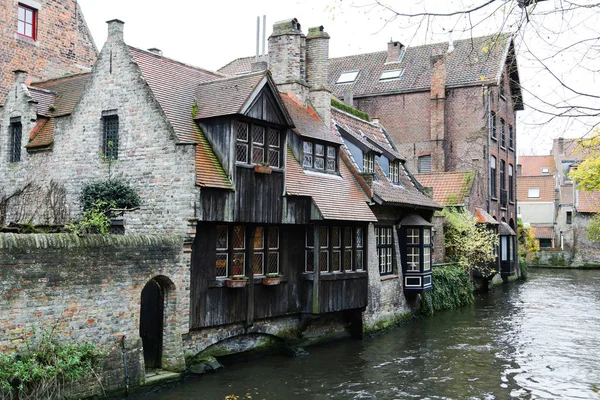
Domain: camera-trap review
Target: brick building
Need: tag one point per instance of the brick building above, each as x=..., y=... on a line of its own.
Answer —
x=47, y=38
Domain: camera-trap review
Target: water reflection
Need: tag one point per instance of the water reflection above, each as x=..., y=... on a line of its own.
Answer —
x=539, y=339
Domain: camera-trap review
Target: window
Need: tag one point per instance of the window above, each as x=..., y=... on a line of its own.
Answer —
x=569, y=217
x=110, y=135
x=340, y=249
x=418, y=250
x=424, y=164
x=511, y=184
x=320, y=157
x=27, y=21
x=368, y=162
x=256, y=144
x=231, y=251
x=493, y=176
x=511, y=137
x=502, y=175
x=545, y=171
x=384, y=240
x=502, y=87
x=545, y=243
x=533, y=193
x=348, y=77
x=493, y=124
x=502, y=134
x=394, y=173
x=391, y=74
x=15, y=130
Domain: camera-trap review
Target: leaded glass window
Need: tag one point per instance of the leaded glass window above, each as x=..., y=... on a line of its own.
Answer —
x=384, y=241
x=15, y=132
x=241, y=147
x=110, y=142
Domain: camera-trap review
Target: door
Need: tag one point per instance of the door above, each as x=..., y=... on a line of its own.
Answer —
x=151, y=323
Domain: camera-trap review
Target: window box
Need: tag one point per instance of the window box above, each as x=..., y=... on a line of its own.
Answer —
x=263, y=169
x=271, y=280
x=237, y=282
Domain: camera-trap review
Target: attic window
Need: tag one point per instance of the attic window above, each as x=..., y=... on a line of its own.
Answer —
x=320, y=157
x=394, y=173
x=391, y=74
x=348, y=77
x=545, y=171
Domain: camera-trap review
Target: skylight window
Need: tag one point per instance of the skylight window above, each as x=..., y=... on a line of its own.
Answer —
x=391, y=74
x=348, y=77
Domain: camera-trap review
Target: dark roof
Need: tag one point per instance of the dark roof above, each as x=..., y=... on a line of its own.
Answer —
x=306, y=121
x=43, y=98
x=505, y=230
x=404, y=194
x=226, y=96
x=414, y=220
x=174, y=87
x=449, y=188
x=336, y=197
x=68, y=91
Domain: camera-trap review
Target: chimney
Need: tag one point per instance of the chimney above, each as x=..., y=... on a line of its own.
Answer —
x=317, y=71
x=115, y=30
x=156, y=51
x=20, y=76
x=438, y=109
x=560, y=143
x=393, y=51
x=450, y=43
x=287, y=57
x=349, y=96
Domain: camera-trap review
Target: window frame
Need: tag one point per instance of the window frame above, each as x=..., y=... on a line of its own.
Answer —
x=368, y=162
x=511, y=137
x=394, y=172
x=391, y=74
x=310, y=159
x=354, y=74
x=33, y=23
x=421, y=161
x=569, y=217
x=252, y=145
x=330, y=264
x=110, y=139
x=502, y=133
x=533, y=190
x=423, y=246
x=511, y=184
x=493, y=188
x=385, y=251
x=493, y=132
x=15, y=141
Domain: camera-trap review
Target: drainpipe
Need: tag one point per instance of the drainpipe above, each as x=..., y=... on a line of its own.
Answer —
x=125, y=365
x=489, y=144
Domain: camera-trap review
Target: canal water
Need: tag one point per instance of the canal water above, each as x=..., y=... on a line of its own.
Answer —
x=535, y=340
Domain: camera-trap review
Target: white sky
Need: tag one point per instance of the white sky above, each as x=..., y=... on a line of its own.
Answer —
x=210, y=34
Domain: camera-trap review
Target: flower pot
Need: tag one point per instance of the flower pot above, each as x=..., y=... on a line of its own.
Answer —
x=236, y=283
x=271, y=281
x=263, y=169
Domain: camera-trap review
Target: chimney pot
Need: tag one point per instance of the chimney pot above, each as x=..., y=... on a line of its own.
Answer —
x=156, y=51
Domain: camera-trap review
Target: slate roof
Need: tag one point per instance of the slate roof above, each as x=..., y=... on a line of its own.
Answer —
x=306, y=121
x=336, y=197
x=532, y=165
x=588, y=202
x=68, y=91
x=226, y=96
x=174, y=87
x=449, y=188
x=544, y=183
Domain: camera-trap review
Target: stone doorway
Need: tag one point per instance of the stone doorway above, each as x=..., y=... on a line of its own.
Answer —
x=152, y=323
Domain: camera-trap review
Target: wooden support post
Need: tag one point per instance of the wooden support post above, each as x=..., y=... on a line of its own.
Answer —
x=250, y=233
x=316, y=270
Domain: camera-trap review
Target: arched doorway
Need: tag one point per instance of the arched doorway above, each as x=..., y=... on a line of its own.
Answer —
x=151, y=323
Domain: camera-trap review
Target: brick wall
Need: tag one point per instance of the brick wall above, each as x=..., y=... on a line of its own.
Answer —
x=63, y=44
x=88, y=290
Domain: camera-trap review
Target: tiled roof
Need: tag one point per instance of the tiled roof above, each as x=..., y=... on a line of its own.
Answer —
x=174, y=87
x=544, y=183
x=543, y=232
x=209, y=172
x=44, y=99
x=532, y=165
x=482, y=217
x=239, y=66
x=336, y=197
x=404, y=194
x=449, y=188
x=68, y=91
x=505, y=230
x=363, y=131
x=566, y=194
x=226, y=96
x=42, y=134
x=306, y=121
x=588, y=202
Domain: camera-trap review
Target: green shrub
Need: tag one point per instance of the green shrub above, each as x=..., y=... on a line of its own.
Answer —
x=113, y=192
x=452, y=289
x=95, y=220
x=350, y=110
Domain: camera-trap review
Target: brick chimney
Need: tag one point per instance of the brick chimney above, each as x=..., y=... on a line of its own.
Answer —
x=317, y=71
x=393, y=51
x=115, y=30
x=287, y=58
x=438, y=110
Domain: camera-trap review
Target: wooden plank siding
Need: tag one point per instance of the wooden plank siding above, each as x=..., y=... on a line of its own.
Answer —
x=337, y=292
x=258, y=197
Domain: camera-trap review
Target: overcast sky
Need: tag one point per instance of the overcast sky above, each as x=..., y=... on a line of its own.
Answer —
x=211, y=34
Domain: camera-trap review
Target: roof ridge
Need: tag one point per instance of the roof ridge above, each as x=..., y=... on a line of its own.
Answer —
x=231, y=78
x=42, y=90
x=178, y=62
x=61, y=78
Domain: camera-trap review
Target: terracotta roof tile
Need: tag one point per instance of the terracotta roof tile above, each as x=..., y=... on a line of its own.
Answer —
x=226, y=96
x=543, y=232
x=404, y=194
x=483, y=217
x=588, y=202
x=68, y=91
x=42, y=134
x=44, y=99
x=532, y=165
x=209, y=172
x=174, y=86
x=336, y=197
x=306, y=121
x=449, y=188
x=544, y=183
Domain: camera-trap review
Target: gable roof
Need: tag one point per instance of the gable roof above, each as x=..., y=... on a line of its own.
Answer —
x=67, y=92
x=532, y=165
x=336, y=197
x=404, y=194
x=449, y=188
x=174, y=86
x=306, y=121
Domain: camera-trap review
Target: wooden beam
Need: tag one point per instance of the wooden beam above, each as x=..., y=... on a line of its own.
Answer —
x=316, y=269
x=250, y=233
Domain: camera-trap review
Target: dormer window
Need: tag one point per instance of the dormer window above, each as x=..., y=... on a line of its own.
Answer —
x=394, y=173
x=545, y=171
x=368, y=162
x=257, y=144
x=320, y=157
x=348, y=77
x=27, y=21
x=391, y=74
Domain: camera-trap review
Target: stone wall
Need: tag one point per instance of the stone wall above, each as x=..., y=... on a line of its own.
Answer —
x=88, y=290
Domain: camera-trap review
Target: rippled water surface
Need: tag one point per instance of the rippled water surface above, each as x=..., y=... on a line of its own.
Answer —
x=540, y=340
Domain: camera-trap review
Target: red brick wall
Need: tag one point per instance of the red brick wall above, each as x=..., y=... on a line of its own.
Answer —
x=63, y=44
